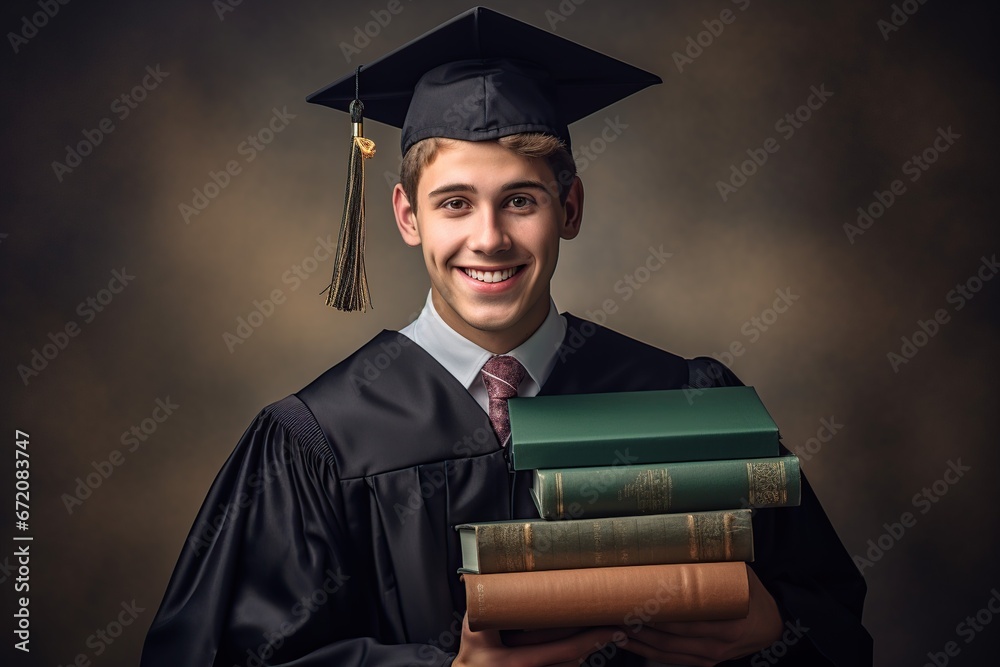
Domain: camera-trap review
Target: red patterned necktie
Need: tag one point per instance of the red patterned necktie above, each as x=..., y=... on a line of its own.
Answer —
x=501, y=375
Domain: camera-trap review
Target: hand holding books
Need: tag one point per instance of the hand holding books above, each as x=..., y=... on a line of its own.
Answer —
x=713, y=641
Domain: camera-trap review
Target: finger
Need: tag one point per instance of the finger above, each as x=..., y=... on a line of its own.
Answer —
x=480, y=638
x=721, y=630
x=670, y=656
x=712, y=650
x=529, y=637
x=571, y=649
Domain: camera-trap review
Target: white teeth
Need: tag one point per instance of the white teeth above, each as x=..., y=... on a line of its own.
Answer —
x=491, y=276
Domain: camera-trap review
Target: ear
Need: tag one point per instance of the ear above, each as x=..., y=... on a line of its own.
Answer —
x=574, y=210
x=406, y=217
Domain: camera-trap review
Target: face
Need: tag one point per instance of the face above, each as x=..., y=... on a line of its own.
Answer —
x=489, y=224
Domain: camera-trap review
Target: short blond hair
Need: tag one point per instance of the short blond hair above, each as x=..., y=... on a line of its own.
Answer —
x=528, y=144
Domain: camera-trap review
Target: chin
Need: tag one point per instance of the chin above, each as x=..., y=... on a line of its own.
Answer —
x=492, y=323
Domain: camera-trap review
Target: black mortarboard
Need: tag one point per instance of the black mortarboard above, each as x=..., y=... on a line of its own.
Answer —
x=483, y=75
x=480, y=76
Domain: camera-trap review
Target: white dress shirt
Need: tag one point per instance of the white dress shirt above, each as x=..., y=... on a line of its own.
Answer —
x=464, y=359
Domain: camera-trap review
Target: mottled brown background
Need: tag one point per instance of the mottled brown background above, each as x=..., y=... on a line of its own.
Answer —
x=825, y=357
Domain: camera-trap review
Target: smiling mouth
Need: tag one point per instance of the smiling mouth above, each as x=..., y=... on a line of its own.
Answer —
x=493, y=276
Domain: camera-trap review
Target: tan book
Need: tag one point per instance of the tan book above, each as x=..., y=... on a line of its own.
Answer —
x=607, y=596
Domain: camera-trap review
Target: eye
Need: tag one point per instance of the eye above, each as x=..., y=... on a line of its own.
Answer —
x=454, y=204
x=520, y=201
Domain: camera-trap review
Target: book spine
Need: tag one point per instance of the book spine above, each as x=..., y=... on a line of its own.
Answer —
x=607, y=596
x=633, y=540
x=672, y=487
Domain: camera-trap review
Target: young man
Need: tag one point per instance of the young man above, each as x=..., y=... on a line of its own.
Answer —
x=328, y=539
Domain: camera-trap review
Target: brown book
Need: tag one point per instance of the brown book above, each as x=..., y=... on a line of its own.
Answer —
x=607, y=596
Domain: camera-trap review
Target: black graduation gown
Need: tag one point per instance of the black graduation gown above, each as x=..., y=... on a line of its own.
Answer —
x=327, y=537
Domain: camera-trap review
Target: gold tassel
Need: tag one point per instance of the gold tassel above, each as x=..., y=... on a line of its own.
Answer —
x=348, y=290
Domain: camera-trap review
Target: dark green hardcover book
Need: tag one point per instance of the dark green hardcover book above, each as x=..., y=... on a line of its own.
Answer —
x=691, y=486
x=581, y=430
x=526, y=546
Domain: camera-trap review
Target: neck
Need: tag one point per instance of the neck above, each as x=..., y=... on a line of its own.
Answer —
x=499, y=340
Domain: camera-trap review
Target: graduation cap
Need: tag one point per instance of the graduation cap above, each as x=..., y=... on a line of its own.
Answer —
x=480, y=76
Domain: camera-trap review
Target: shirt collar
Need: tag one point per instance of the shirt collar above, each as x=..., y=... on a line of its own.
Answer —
x=464, y=359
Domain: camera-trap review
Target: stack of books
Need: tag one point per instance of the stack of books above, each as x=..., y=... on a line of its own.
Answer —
x=645, y=499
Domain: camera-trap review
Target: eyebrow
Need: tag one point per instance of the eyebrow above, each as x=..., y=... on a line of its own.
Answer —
x=526, y=185
x=453, y=187
x=466, y=187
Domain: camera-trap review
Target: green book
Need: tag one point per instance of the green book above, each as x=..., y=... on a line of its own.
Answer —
x=580, y=430
x=525, y=546
x=691, y=486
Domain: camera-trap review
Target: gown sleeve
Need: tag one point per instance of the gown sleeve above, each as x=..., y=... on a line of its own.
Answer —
x=266, y=576
x=803, y=564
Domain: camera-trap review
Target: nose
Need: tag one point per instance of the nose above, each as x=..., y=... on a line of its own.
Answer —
x=488, y=235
